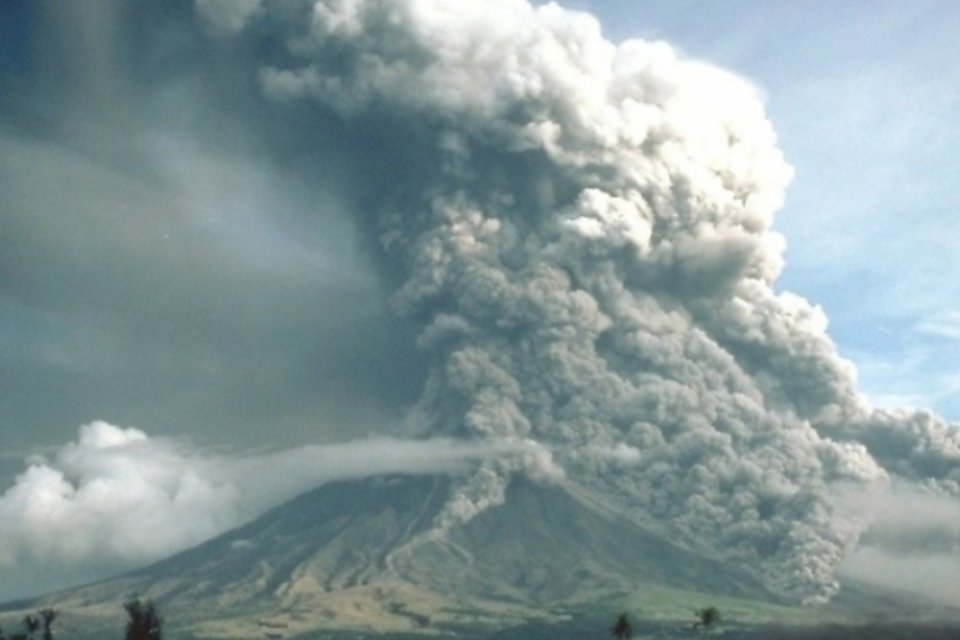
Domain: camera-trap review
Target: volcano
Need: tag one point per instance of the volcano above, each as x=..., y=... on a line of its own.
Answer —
x=367, y=555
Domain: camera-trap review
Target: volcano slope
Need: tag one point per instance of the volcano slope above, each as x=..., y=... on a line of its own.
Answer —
x=367, y=555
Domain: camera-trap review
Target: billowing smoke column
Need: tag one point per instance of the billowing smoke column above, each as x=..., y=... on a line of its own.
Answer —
x=584, y=230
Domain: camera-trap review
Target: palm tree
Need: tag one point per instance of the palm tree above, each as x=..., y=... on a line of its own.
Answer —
x=48, y=616
x=708, y=617
x=622, y=629
x=144, y=622
x=31, y=624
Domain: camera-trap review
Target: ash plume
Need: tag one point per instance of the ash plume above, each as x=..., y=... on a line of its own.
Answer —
x=584, y=230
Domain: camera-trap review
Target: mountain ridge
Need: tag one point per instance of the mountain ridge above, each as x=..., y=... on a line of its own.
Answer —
x=363, y=554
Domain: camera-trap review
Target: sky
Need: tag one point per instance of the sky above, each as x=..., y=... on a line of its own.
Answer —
x=167, y=267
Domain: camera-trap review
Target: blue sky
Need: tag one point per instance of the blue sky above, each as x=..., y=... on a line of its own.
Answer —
x=864, y=98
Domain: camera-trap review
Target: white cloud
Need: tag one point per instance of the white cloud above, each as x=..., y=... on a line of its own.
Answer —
x=227, y=16
x=933, y=575
x=944, y=325
x=120, y=498
x=911, y=540
x=916, y=371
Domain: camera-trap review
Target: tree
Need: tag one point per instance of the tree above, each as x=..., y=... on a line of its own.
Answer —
x=144, y=622
x=47, y=616
x=622, y=629
x=31, y=624
x=708, y=617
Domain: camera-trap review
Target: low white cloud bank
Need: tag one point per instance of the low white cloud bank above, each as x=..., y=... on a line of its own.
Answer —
x=911, y=540
x=932, y=574
x=119, y=497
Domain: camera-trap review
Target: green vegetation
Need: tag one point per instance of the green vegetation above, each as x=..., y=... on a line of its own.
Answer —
x=144, y=622
x=48, y=616
x=584, y=621
x=622, y=629
x=708, y=617
x=664, y=604
x=32, y=624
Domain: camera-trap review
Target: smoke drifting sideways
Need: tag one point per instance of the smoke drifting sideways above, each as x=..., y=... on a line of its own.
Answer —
x=584, y=230
x=117, y=498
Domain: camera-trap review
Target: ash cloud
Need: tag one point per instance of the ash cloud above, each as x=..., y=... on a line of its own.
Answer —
x=583, y=229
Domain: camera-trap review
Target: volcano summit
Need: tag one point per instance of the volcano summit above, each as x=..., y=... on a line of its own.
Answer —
x=367, y=555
